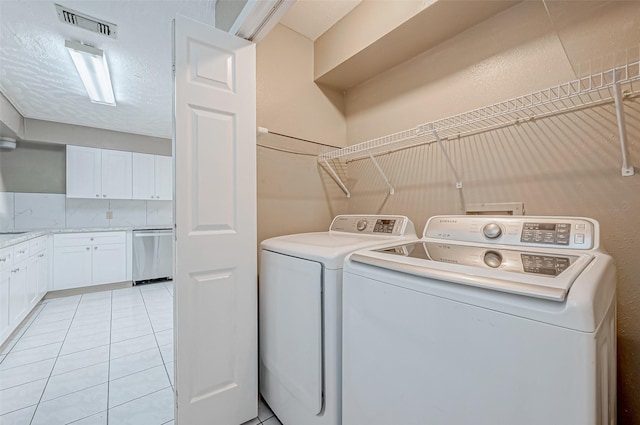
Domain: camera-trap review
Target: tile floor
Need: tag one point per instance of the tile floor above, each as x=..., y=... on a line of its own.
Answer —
x=95, y=359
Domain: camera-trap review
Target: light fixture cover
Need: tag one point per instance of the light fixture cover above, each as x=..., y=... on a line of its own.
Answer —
x=91, y=64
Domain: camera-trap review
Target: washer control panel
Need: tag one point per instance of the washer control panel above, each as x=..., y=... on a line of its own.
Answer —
x=556, y=232
x=373, y=224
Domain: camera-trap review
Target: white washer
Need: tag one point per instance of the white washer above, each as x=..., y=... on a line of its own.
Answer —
x=484, y=321
x=300, y=300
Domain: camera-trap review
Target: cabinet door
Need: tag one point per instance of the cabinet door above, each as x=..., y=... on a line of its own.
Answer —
x=109, y=263
x=33, y=275
x=116, y=174
x=6, y=263
x=164, y=177
x=4, y=304
x=83, y=172
x=144, y=176
x=17, y=292
x=43, y=273
x=71, y=267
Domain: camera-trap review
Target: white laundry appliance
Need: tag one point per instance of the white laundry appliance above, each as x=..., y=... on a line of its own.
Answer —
x=300, y=309
x=485, y=321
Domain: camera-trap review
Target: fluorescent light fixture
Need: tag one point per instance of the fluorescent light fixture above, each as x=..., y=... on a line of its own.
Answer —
x=91, y=64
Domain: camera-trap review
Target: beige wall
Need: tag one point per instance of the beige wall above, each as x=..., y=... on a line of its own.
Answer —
x=565, y=165
x=294, y=195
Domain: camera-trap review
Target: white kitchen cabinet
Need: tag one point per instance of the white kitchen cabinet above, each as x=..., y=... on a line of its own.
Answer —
x=38, y=269
x=18, y=283
x=98, y=173
x=6, y=262
x=116, y=174
x=84, y=172
x=85, y=259
x=152, y=177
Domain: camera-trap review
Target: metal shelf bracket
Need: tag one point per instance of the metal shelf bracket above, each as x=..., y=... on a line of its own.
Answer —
x=384, y=176
x=446, y=155
x=627, y=169
x=337, y=179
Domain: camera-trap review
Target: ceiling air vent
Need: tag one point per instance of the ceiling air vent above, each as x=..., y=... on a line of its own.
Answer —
x=87, y=22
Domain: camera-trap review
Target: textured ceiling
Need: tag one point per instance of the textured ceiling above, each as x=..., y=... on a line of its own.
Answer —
x=38, y=77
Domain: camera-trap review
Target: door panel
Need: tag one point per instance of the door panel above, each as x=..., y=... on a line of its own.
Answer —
x=164, y=177
x=215, y=213
x=83, y=172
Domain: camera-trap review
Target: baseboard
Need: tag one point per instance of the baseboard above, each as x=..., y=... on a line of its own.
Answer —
x=87, y=289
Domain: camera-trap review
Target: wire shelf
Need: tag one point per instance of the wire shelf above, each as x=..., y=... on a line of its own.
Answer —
x=584, y=92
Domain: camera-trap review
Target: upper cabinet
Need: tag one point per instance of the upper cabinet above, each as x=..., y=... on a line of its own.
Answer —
x=152, y=177
x=109, y=174
x=98, y=173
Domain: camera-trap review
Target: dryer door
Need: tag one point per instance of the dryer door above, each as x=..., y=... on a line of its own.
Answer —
x=291, y=326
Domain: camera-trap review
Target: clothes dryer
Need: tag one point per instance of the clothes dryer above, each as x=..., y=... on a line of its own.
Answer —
x=485, y=321
x=300, y=314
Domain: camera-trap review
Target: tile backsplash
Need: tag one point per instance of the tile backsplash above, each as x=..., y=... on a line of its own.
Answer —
x=26, y=211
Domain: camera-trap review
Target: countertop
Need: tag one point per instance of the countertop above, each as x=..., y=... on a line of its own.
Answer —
x=18, y=236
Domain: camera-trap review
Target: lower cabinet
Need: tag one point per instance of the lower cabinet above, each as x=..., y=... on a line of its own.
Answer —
x=24, y=274
x=85, y=259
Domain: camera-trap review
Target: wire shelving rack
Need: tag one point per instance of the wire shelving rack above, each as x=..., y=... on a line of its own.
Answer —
x=614, y=85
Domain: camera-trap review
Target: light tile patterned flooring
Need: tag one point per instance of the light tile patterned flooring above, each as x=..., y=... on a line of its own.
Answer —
x=95, y=359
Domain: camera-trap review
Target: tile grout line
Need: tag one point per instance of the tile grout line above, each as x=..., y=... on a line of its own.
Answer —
x=55, y=361
x=164, y=363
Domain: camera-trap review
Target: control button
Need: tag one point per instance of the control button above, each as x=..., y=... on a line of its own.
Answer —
x=492, y=230
x=579, y=238
x=361, y=225
x=492, y=259
x=581, y=226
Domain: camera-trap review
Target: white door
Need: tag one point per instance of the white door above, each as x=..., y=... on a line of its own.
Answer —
x=215, y=214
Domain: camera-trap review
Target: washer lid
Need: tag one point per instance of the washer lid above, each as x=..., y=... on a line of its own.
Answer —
x=530, y=273
x=328, y=248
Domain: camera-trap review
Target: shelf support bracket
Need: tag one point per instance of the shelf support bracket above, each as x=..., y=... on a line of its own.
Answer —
x=384, y=176
x=627, y=170
x=335, y=176
x=446, y=155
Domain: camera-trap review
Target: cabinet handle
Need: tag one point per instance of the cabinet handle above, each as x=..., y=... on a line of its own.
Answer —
x=91, y=238
x=15, y=270
x=104, y=196
x=88, y=248
x=22, y=251
x=95, y=247
x=41, y=255
x=2, y=260
x=97, y=196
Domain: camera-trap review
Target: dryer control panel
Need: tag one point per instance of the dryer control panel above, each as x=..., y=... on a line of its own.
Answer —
x=391, y=225
x=556, y=232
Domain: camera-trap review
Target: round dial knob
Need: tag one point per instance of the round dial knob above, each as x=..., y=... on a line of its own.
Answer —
x=492, y=259
x=361, y=225
x=492, y=230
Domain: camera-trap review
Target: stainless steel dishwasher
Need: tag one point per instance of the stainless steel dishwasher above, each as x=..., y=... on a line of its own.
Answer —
x=152, y=255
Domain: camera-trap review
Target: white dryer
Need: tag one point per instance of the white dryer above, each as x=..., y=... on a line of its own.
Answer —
x=300, y=306
x=485, y=321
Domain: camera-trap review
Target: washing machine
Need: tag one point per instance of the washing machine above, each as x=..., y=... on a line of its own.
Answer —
x=300, y=308
x=484, y=321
